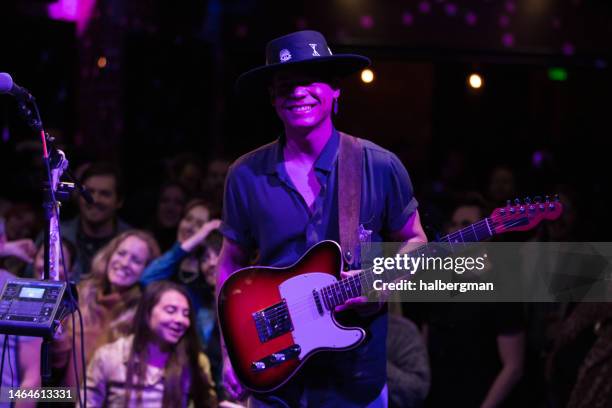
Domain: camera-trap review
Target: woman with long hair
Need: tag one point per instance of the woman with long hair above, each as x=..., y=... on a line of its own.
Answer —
x=109, y=297
x=160, y=364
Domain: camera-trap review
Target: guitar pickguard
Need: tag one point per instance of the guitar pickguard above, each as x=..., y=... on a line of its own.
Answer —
x=313, y=330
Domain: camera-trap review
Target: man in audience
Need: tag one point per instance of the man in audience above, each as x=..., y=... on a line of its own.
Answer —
x=97, y=223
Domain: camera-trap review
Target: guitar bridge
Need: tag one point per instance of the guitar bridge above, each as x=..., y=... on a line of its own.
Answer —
x=277, y=358
x=272, y=321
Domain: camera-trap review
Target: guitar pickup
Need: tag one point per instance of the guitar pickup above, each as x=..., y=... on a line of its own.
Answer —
x=273, y=321
x=277, y=358
x=317, y=299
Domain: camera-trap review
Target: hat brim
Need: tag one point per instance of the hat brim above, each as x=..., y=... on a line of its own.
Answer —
x=340, y=65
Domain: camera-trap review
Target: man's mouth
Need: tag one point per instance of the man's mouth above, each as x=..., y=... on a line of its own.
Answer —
x=300, y=108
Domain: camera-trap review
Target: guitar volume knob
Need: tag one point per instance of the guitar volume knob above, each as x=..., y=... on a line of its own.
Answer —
x=278, y=357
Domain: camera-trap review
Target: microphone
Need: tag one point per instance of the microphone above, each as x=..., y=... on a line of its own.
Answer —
x=7, y=86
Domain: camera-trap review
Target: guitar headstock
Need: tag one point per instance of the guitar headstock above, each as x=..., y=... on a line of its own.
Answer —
x=526, y=214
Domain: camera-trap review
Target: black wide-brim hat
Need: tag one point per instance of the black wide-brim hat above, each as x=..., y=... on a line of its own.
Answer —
x=302, y=49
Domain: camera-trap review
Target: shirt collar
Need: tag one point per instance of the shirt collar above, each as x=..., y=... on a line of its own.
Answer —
x=329, y=154
x=275, y=159
x=325, y=162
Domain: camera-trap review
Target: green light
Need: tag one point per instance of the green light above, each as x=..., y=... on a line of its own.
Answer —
x=557, y=74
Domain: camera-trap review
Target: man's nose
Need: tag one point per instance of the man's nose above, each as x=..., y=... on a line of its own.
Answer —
x=298, y=91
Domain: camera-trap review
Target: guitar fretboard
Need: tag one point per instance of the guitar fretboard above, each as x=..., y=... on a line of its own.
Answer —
x=353, y=286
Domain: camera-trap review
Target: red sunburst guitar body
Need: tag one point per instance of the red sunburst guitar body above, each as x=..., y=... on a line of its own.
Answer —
x=272, y=322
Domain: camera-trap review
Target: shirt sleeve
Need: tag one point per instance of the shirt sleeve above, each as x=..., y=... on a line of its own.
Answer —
x=235, y=223
x=399, y=201
x=163, y=267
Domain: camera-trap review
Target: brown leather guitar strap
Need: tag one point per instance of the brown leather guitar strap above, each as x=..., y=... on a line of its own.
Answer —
x=350, y=163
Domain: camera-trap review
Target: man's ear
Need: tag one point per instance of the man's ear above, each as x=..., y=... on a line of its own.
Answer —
x=336, y=93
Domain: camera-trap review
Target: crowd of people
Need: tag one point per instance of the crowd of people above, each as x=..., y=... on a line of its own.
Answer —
x=504, y=355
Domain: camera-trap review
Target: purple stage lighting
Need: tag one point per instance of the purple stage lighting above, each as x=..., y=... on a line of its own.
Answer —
x=424, y=7
x=471, y=18
x=508, y=40
x=450, y=9
x=367, y=22
x=407, y=19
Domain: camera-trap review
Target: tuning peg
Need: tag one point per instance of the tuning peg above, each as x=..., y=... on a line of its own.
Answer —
x=547, y=198
x=527, y=200
x=557, y=199
x=508, y=203
x=517, y=201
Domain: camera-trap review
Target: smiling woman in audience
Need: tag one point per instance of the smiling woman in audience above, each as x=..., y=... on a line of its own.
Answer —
x=160, y=364
x=108, y=299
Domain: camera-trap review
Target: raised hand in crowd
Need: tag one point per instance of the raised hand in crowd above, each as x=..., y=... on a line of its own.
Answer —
x=24, y=249
x=200, y=235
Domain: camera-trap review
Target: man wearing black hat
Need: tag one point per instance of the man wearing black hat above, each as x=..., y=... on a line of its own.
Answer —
x=283, y=198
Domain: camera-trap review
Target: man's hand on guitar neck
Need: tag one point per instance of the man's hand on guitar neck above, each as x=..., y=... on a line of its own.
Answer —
x=361, y=304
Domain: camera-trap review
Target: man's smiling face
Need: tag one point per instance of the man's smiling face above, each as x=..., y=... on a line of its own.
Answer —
x=103, y=189
x=302, y=100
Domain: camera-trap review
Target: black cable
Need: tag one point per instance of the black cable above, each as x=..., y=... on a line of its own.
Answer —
x=75, y=305
x=11, y=364
x=83, y=359
x=2, y=364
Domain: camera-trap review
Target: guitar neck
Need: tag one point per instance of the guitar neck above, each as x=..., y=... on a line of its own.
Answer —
x=361, y=284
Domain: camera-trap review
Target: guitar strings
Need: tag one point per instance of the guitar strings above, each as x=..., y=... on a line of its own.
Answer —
x=304, y=304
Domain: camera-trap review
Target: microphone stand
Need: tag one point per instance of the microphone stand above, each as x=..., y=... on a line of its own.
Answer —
x=54, y=191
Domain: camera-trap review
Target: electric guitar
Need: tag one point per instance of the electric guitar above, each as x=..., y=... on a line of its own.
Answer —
x=274, y=319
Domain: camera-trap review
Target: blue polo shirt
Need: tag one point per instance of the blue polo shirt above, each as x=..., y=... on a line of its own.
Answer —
x=263, y=210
